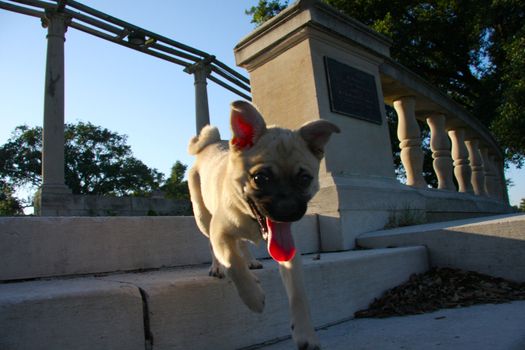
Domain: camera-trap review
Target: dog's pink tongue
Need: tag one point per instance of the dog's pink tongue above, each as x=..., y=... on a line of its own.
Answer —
x=280, y=241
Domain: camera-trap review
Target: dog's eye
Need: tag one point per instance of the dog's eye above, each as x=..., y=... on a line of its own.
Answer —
x=304, y=180
x=261, y=179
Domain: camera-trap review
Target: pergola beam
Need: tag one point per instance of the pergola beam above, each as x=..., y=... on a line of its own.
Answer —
x=104, y=26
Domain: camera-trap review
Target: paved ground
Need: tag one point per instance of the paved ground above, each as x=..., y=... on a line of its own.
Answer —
x=481, y=327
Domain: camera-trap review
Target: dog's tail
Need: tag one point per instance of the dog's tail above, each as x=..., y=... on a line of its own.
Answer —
x=208, y=135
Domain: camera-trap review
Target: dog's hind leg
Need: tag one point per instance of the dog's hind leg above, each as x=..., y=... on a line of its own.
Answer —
x=203, y=218
x=202, y=215
x=302, y=328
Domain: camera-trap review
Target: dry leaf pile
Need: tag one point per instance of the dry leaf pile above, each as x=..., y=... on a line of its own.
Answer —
x=442, y=288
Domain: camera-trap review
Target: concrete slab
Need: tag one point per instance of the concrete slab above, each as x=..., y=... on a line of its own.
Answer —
x=188, y=309
x=57, y=246
x=481, y=327
x=71, y=314
x=60, y=246
x=490, y=245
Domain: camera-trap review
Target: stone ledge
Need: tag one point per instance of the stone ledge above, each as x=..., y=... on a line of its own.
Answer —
x=491, y=245
x=36, y=247
x=57, y=246
x=85, y=313
x=186, y=309
x=189, y=310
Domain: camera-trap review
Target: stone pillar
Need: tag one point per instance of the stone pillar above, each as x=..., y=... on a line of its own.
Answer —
x=200, y=71
x=310, y=62
x=53, y=130
x=461, y=162
x=440, y=146
x=476, y=167
x=409, y=137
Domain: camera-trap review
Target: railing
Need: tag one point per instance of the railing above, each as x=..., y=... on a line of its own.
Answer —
x=461, y=147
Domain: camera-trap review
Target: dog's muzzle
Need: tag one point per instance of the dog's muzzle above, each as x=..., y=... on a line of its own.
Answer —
x=278, y=235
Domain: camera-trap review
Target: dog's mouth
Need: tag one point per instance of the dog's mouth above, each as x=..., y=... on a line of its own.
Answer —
x=278, y=235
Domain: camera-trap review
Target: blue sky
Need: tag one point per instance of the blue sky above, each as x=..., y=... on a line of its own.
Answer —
x=148, y=99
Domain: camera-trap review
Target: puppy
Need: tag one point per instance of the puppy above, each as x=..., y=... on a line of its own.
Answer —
x=251, y=189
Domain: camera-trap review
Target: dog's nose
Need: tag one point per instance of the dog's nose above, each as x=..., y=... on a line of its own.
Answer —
x=288, y=210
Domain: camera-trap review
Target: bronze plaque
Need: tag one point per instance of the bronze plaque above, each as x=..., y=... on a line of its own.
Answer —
x=352, y=92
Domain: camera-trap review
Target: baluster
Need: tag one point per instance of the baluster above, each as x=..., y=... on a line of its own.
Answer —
x=409, y=137
x=440, y=146
x=498, y=178
x=476, y=167
x=490, y=175
x=461, y=162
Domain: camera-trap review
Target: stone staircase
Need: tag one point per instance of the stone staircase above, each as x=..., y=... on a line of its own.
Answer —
x=142, y=283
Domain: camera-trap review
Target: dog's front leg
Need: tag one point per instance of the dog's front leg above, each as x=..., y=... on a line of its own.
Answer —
x=301, y=324
x=227, y=252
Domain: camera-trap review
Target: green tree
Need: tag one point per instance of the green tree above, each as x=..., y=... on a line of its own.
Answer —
x=473, y=50
x=176, y=187
x=265, y=10
x=97, y=161
x=522, y=205
x=9, y=204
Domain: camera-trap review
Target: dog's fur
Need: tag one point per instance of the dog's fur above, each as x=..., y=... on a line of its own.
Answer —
x=261, y=174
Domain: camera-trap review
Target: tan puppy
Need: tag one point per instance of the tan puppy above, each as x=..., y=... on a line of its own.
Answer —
x=252, y=189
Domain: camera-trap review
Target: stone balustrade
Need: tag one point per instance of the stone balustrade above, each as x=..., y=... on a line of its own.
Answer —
x=457, y=152
x=466, y=158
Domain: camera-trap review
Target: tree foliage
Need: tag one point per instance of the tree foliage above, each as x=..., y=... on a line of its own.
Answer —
x=97, y=161
x=265, y=10
x=473, y=50
x=176, y=187
x=9, y=204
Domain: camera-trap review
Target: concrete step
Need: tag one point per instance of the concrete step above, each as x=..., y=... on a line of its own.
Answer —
x=183, y=308
x=491, y=245
x=62, y=246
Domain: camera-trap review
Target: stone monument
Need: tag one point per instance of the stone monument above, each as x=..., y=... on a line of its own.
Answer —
x=311, y=62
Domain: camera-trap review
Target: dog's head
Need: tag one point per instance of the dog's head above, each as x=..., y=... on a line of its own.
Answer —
x=276, y=170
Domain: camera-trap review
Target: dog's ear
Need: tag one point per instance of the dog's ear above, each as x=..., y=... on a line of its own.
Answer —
x=247, y=125
x=316, y=134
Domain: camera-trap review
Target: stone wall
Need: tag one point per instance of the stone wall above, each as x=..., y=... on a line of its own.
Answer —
x=95, y=205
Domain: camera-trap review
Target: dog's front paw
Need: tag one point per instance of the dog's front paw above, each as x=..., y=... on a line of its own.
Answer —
x=253, y=296
x=305, y=339
x=249, y=290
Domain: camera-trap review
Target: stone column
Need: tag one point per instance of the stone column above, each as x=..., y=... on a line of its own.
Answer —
x=409, y=137
x=200, y=72
x=440, y=146
x=53, y=130
x=461, y=162
x=476, y=167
